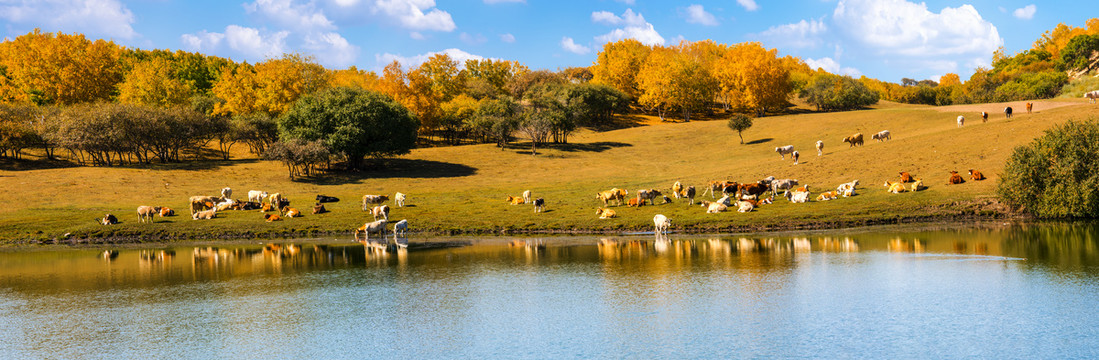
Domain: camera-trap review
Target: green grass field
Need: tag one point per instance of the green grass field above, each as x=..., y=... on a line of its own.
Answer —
x=462, y=189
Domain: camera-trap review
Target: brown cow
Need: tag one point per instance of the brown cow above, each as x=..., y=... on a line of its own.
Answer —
x=855, y=139
x=1029, y=107
x=955, y=178
x=984, y=116
x=272, y=217
x=751, y=190
x=319, y=209
x=906, y=177
x=976, y=175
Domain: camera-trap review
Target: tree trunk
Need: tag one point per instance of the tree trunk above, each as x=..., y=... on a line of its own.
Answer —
x=741, y=137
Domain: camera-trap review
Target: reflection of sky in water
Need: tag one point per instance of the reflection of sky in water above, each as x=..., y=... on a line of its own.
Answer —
x=1015, y=292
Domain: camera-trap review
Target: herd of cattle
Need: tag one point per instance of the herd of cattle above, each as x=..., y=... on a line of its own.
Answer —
x=207, y=207
x=744, y=197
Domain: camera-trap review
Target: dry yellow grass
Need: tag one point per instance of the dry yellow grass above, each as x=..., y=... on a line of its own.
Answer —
x=463, y=188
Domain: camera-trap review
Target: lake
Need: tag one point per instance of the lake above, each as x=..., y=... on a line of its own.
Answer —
x=947, y=291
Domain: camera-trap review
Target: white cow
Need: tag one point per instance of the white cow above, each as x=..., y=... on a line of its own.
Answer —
x=256, y=195
x=783, y=150
x=226, y=193
x=882, y=136
x=662, y=222
x=820, y=147
x=961, y=120
x=1092, y=95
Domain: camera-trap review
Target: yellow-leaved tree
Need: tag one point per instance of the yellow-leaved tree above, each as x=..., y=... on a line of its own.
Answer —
x=49, y=68
x=618, y=65
x=353, y=78
x=271, y=86
x=154, y=82
x=757, y=79
x=237, y=90
x=654, y=81
x=434, y=82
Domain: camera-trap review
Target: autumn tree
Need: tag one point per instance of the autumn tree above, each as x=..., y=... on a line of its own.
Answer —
x=352, y=123
x=673, y=79
x=271, y=86
x=654, y=81
x=49, y=68
x=618, y=65
x=494, y=73
x=455, y=113
x=353, y=78
x=154, y=82
x=754, y=77
x=949, y=79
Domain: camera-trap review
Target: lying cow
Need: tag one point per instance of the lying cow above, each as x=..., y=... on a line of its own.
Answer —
x=976, y=175
x=605, y=213
x=327, y=199
x=955, y=179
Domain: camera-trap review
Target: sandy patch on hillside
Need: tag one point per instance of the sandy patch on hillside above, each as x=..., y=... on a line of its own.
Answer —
x=1017, y=107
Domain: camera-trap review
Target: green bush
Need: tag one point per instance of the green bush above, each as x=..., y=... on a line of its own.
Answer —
x=1056, y=175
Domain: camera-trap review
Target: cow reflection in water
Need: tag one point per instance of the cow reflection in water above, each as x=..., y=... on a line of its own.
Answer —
x=909, y=246
x=530, y=249
x=846, y=244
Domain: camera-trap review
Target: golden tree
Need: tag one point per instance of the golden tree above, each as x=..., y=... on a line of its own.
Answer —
x=153, y=82
x=59, y=68
x=618, y=64
x=354, y=78
x=654, y=81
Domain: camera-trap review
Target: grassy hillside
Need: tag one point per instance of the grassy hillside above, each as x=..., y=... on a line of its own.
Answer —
x=462, y=189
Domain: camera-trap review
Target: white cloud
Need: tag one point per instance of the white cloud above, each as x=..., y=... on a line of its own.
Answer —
x=571, y=46
x=504, y=1
x=94, y=18
x=749, y=5
x=508, y=38
x=254, y=45
x=415, y=61
x=802, y=34
x=472, y=39
x=627, y=2
x=416, y=35
x=202, y=41
x=289, y=15
x=628, y=18
x=1026, y=12
x=697, y=15
x=331, y=49
x=832, y=66
x=410, y=13
x=898, y=27
x=635, y=28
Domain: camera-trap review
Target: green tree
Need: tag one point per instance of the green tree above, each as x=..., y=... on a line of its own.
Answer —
x=1078, y=52
x=833, y=92
x=353, y=123
x=300, y=157
x=1054, y=176
x=739, y=123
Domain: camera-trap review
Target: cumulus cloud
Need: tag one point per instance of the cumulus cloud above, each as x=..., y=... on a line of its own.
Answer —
x=571, y=46
x=508, y=38
x=416, y=35
x=415, y=61
x=331, y=49
x=697, y=15
x=749, y=5
x=289, y=15
x=802, y=34
x=830, y=65
x=95, y=18
x=202, y=41
x=411, y=14
x=1026, y=12
x=635, y=27
x=255, y=45
x=899, y=27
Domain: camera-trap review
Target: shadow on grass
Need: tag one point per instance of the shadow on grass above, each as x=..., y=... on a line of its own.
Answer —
x=393, y=169
x=601, y=146
x=9, y=164
x=758, y=141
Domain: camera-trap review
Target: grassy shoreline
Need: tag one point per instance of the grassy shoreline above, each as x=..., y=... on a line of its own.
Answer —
x=460, y=190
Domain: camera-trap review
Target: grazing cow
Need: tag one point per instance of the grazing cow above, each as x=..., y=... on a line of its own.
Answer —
x=882, y=136
x=514, y=200
x=108, y=220
x=272, y=217
x=526, y=196
x=205, y=214
x=278, y=201
x=895, y=187
x=258, y=196
x=226, y=193
x=370, y=200
x=783, y=150
x=955, y=178
x=147, y=212
x=715, y=185
x=906, y=177
x=166, y=212
x=714, y=207
x=976, y=175
x=745, y=206
x=1029, y=107
x=649, y=195
x=848, y=188
x=801, y=195
x=820, y=147
x=292, y=212
x=689, y=193
x=400, y=228
x=828, y=195
x=785, y=185
x=677, y=188
x=327, y=199
x=380, y=211
x=605, y=213
x=1092, y=95
x=378, y=226
x=918, y=185
x=753, y=190
x=400, y=198
x=984, y=117
x=662, y=222
x=855, y=139
x=319, y=209
x=795, y=155
x=616, y=194
x=539, y=205
x=961, y=121
x=1007, y=112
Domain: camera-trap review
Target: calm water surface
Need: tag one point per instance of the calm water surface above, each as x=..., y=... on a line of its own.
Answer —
x=994, y=291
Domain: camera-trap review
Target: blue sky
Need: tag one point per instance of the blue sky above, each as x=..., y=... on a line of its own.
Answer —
x=884, y=39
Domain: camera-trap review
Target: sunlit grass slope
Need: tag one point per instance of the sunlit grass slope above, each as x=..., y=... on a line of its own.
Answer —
x=462, y=189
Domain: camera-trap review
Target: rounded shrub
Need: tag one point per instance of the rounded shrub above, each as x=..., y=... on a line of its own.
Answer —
x=1056, y=175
